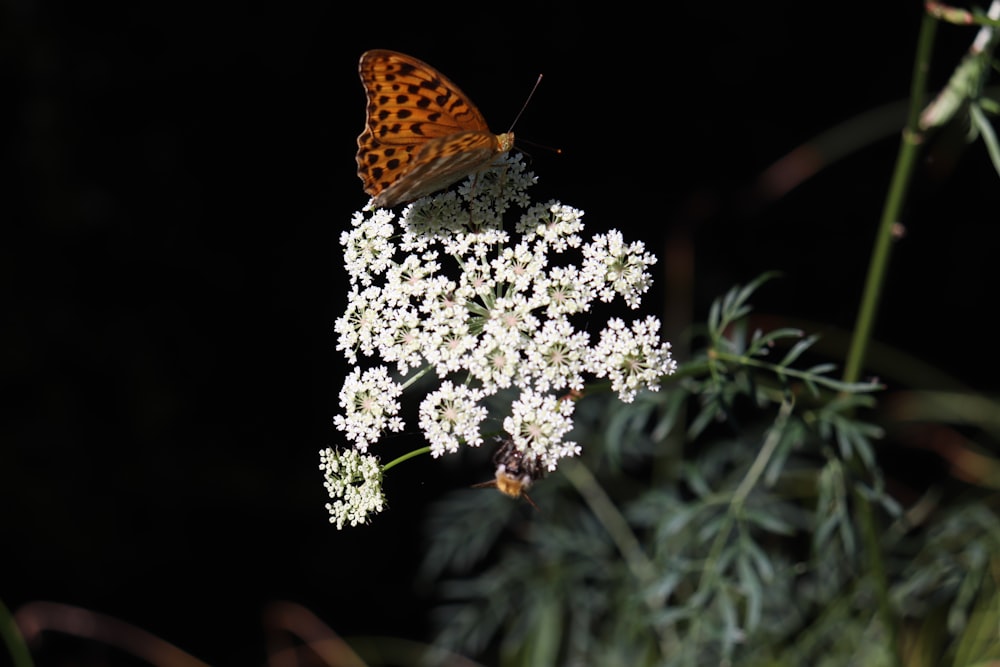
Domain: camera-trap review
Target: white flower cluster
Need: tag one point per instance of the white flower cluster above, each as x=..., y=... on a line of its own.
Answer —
x=502, y=317
x=370, y=406
x=354, y=481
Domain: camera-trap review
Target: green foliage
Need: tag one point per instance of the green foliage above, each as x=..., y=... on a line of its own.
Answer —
x=735, y=545
x=650, y=553
x=964, y=94
x=739, y=516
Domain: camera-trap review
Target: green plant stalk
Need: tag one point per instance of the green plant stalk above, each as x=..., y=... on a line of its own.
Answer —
x=711, y=570
x=620, y=532
x=405, y=457
x=905, y=163
x=788, y=372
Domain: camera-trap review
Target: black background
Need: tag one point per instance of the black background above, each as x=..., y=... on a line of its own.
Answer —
x=175, y=182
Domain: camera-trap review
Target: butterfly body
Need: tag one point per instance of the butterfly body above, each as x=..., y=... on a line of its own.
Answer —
x=421, y=133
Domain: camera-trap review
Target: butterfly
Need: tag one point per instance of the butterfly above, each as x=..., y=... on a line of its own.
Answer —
x=421, y=132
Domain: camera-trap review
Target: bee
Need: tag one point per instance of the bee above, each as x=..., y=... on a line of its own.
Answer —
x=516, y=471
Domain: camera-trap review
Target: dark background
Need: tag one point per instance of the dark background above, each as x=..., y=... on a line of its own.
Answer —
x=175, y=180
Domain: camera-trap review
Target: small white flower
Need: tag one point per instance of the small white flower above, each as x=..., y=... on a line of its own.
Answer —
x=537, y=424
x=370, y=406
x=475, y=244
x=361, y=324
x=441, y=298
x=354, y=483
x=518, y=266
x=632, y=358
x=367, y=250
x=477, y=281
x=557, y=225
x=402, y=340
x=447, y=347
x=511, y=319
x=616, y=268
x=555, y=357
x=445, y=337
x=564, y=291
x=427, y=221
x=408, y=278
x=494, y=361
x=450, y=416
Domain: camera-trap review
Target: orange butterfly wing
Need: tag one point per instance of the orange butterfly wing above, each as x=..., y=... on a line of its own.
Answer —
x=421, y=132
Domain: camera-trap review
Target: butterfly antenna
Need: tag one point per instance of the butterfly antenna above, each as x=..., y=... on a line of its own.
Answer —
x=525, y=105
x=521, y=141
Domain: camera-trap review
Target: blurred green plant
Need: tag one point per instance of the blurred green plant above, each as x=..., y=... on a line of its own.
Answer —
x=740, y=515
x=740, y=534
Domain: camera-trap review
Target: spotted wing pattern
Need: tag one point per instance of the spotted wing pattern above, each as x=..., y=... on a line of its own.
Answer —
x=421, y=132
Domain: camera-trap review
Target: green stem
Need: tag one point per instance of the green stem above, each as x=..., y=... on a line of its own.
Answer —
x=807, y=375
x=612, y=520
x=619, y=530
x=750, y=480
x=764, y=456
x=905, y=163
x=416, y=376
x=405, y=457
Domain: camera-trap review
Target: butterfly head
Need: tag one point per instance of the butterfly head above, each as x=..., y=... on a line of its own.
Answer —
x=506, y=141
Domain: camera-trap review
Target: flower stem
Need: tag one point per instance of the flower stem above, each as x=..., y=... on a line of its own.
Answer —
x=405, y=457
x=906, y=161
x=619, y=531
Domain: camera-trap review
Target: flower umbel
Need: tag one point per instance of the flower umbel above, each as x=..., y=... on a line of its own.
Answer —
x=450, y=416
x=446, y=291
x=618, y=269
x=537, y=424
x=354, y=482
x=633, y=357
x=370, y=406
